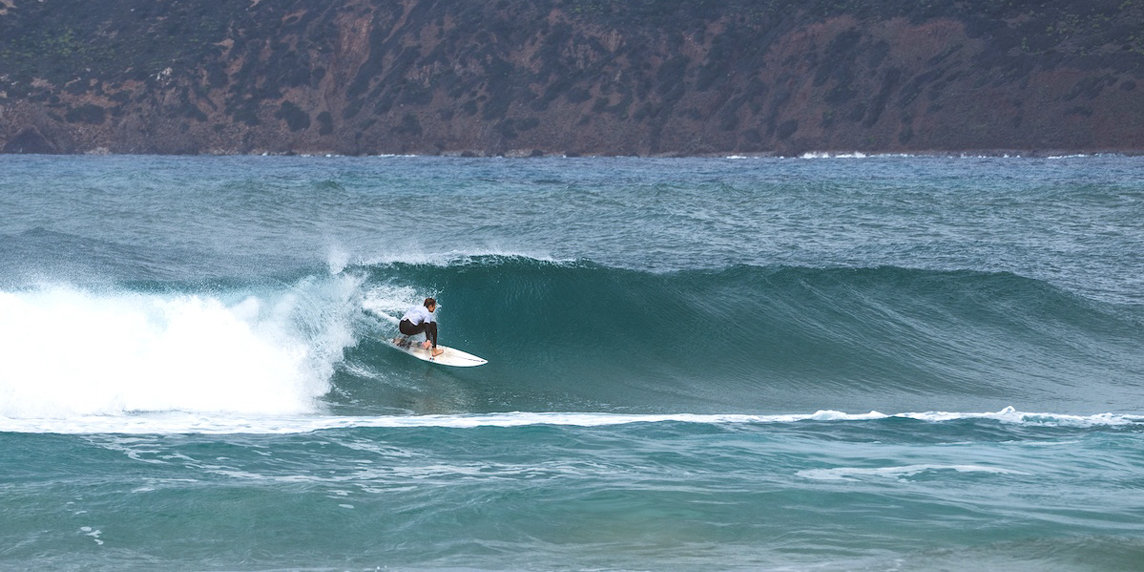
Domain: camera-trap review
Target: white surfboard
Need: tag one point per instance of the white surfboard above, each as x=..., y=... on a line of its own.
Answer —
x=453, y=357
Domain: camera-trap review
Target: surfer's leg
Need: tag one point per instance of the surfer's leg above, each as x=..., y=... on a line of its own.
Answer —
x=428, y=328
x=408, y=329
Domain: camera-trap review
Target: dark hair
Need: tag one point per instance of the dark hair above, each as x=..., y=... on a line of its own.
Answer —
x=430, y=302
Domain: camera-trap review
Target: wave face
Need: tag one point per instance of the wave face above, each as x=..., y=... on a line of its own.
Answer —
x=575, y=336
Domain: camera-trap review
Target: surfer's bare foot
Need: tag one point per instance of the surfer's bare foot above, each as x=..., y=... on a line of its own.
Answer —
x=425, y=345
x=437, y=352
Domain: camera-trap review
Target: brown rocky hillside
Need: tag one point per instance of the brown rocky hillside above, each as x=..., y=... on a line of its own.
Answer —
x=623, y=77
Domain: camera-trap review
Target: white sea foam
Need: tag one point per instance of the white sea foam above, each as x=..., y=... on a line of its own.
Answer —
x=174, y=422
x=71, y=352
x=1011, y=415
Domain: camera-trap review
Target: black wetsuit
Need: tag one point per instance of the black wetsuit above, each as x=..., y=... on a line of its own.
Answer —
x=428, y=328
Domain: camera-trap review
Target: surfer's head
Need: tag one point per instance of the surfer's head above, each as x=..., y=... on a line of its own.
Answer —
x=431, y=304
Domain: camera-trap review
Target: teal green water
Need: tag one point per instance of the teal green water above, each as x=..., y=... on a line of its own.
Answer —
x=886, y=494
x=885, y=363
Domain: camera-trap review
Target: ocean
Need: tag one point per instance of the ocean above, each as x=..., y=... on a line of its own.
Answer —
x=831, y=362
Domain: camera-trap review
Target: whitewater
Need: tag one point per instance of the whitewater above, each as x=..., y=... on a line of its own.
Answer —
x=827, y=362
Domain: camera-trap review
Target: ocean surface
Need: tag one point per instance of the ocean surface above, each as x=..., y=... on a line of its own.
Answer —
x=815, y=363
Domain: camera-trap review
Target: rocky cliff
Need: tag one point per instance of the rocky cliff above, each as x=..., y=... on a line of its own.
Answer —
x=612, y=77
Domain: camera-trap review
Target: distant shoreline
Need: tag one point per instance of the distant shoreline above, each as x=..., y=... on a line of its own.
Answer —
x=837, y=154
x=572, y=78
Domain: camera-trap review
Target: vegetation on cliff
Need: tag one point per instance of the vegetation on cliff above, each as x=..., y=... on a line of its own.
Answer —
x=570, y=76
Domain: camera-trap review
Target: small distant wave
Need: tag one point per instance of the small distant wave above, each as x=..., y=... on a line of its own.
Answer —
x=830, y=155
x=1000, y=154
x=858, y=473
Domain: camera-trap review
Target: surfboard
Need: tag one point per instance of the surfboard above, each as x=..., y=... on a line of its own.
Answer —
x=452, y=356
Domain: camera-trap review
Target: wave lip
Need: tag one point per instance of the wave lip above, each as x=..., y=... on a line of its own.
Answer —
x=453, y=258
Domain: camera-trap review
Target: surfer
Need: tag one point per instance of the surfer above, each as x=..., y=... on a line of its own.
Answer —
x=420, y=320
